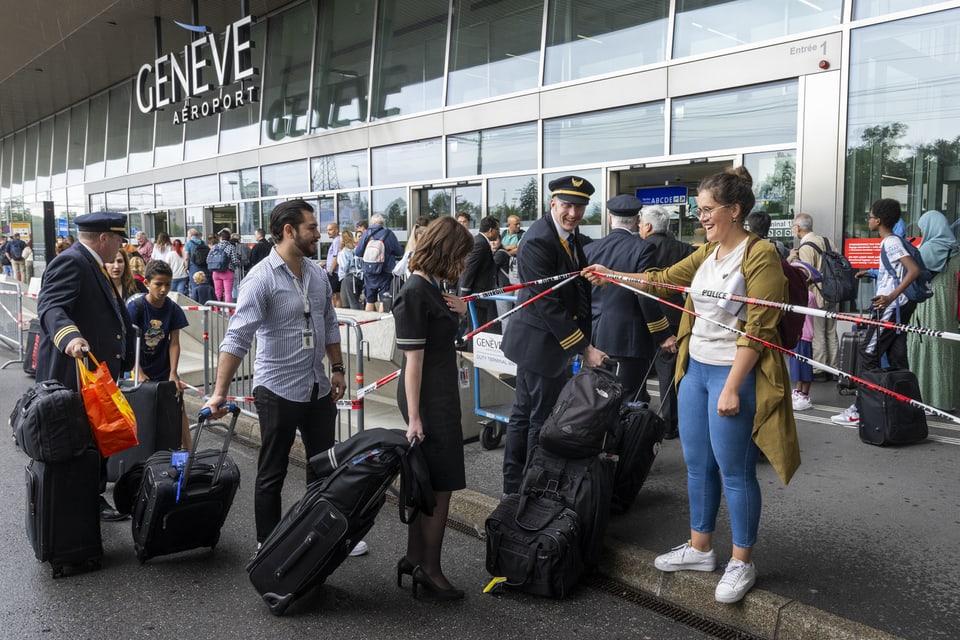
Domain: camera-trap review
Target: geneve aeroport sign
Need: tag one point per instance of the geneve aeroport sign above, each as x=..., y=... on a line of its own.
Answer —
x=171, y=79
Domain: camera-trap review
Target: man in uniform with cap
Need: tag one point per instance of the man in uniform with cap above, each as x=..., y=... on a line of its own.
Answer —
x=543, y=337
x=627, y=326
x=79, y=309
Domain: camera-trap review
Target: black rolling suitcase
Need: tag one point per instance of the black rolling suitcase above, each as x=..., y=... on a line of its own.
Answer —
x=63, y=512
x=639, y=436
x=31, y=348
x=159, y=417
x=885, y=420
x=317, y=534
x=850, y=343
x=184, y=507
x=537, y=550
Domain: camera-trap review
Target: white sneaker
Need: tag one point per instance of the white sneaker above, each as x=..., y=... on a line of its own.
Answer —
x=801, y=402
x=360, y=550
x=686, y=558
x=848, y=417
x=737, y=579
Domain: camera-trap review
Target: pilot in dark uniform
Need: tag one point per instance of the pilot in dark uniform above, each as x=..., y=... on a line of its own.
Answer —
x=543, y=336
x=627, y=326
x=80, y=308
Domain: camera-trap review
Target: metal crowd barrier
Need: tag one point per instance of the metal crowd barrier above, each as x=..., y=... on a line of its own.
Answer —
x=11, y=320
x=350, y=416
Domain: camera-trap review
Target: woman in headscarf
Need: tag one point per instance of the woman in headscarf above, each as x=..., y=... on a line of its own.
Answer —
x=934, y=359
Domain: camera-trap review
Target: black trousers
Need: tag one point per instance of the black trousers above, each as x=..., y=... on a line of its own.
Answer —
x=279, y=421
x=887, y=341
x=534, y=400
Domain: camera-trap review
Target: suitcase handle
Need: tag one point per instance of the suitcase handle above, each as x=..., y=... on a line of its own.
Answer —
x=204, y=416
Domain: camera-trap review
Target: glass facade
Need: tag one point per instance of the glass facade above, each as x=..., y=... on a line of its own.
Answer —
x=903, y=125
x=617, y=134
x=593, y=87
x=753, y=116
x=704, y=26
x=593, y=37
x=494, y=49
x=492, y=151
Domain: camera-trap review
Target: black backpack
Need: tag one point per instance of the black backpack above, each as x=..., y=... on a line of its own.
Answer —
x=839, y=278
x=584, y=415
x=198, y=255
x=921, y=288
x=790, y=326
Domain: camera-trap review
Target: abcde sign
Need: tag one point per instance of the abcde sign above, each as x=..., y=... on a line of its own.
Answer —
x=171, y=78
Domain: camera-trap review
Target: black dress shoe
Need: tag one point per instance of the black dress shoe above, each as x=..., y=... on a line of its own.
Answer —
x=671, y=434
x=430, y=589
x=109, y=514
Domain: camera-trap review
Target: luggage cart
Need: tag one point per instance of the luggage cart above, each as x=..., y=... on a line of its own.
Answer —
x=495, y=417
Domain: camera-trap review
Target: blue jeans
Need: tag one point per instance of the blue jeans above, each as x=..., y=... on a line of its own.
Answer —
x=179, y=285
x=719, y=448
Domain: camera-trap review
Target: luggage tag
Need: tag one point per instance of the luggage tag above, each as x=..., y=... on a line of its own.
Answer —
x=178, y=459
x=494, y=584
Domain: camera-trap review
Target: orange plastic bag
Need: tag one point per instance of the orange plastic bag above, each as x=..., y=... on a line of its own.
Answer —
x=111, y=416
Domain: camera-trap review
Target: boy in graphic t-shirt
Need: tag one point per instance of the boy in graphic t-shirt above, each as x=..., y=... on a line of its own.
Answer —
x=160, y=321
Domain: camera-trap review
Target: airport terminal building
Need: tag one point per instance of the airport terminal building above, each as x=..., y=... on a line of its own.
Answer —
x=206, y=113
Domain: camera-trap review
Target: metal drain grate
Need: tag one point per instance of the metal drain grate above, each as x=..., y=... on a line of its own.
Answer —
x=668, y=609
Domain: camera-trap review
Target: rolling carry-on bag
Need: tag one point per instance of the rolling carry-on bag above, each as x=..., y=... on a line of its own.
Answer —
x=317, y=534
x=537, y=551
x=158, y=411
x=885, y=420
x=184, y=498
x=159, y=415
x=639, y=436
x=850, y=343
x=63, y=512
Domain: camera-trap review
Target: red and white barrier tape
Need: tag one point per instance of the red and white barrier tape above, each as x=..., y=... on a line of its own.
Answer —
x=373, y=386
x=837, y=372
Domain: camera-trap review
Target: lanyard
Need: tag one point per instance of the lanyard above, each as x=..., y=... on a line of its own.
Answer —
x=302, y=290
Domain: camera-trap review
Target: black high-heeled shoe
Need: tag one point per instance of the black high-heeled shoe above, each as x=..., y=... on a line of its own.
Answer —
x=431, y=590
x=404, y=568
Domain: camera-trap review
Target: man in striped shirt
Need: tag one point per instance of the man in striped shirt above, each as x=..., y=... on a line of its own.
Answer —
x=285, y=301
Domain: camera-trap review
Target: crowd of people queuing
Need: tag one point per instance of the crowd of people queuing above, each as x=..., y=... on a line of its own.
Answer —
x=728, y=399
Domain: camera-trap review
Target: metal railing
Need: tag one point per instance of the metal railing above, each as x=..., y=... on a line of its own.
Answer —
x=11, y=320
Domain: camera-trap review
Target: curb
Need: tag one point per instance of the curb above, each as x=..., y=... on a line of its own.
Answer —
x=760, y=613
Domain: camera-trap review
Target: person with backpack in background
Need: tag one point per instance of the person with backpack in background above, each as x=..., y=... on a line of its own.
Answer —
x=826, y=348
x=221, y=261
x=380, y=249
x=890, y=304
x=14, y=250
x=5, y=258
x=734, y=397
x=195, y=252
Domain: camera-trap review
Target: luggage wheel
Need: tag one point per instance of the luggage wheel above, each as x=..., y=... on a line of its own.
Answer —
x=277, y=604
x=491, y=434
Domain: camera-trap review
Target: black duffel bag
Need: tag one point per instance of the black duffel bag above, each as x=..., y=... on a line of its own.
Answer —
x=537, y=549
x=584, y=416
x=50, y=424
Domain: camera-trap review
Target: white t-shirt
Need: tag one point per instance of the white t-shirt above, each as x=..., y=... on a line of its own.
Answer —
x=709, y=343
x=893, y=247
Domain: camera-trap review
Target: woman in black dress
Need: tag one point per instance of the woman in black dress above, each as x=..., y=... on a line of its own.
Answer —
x=427, y=319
